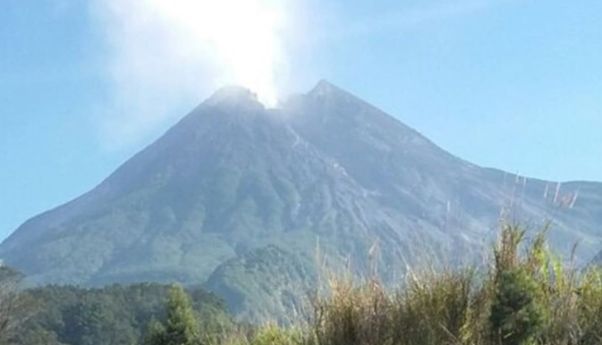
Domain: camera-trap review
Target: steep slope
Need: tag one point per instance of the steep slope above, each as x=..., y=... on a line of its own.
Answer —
x=440, y=194
x=267, y=284
x=326, y=172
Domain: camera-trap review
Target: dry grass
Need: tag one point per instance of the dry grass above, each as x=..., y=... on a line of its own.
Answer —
x=525, y=296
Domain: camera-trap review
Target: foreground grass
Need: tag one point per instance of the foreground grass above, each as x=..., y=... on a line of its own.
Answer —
x=525, y=296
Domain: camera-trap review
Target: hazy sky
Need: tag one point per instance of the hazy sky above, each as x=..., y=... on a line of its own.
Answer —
x=511, y=84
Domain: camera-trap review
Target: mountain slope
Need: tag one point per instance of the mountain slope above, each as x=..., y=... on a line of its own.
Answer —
x=267, y=284
x=229, y=177
x=414, y=177
x=325, y=172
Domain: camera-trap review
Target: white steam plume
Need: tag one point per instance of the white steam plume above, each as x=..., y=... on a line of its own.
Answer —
x=165, y=55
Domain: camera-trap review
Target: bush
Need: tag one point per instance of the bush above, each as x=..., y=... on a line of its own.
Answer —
x=516, y=316
x=589, y=309
x=273, y=335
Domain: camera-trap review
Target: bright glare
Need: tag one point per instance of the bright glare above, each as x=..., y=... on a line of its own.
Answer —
x=165, y=54
x=243, y=34
x=239, y=39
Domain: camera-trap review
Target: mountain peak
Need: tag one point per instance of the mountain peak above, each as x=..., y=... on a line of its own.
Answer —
x=233, y=95
x=324, y=88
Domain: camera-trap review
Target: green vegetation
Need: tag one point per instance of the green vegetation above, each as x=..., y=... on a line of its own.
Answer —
x=14, y=306
x=181, y=324
x=114, y=315
x=265, y=285
x=524, y=296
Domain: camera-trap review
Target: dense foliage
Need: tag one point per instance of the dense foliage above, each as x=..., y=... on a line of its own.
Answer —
x=181, y=325
x=268, y=284
x=114, y=315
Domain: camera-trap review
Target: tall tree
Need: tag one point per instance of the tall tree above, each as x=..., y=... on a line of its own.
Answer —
x=181, y=326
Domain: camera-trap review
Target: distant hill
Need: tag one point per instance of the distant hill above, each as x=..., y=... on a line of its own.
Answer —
x=234, y=181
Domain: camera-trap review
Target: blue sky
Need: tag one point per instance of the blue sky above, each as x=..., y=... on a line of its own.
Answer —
x=515, y=85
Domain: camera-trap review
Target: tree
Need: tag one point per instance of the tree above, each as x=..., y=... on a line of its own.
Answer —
x=181, y=325
x=13, y=307
x=155, y=334
x=517, y=314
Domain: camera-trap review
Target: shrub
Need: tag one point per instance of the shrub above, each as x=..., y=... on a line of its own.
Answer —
x=352, y=315
x=432, y=309
x=589, y=308
x=516, y=316
x=273, y=335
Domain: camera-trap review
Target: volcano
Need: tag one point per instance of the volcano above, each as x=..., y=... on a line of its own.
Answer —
x=325, y=173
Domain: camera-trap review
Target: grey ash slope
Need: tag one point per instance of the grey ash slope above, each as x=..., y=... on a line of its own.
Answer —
x=233, y=177
x=438, y=193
